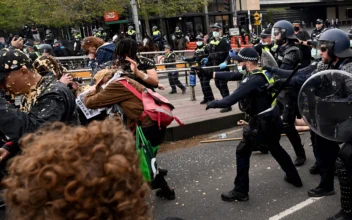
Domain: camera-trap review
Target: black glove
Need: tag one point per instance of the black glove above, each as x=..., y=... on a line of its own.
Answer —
x=276, y=85
x=269, y=68
x=211, y=104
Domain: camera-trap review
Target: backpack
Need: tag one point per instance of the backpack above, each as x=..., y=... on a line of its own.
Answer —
x=156, y=106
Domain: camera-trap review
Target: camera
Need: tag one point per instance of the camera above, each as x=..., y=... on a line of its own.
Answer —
x=78, y=79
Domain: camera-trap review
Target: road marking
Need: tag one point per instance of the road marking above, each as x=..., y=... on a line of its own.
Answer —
x=295, y=208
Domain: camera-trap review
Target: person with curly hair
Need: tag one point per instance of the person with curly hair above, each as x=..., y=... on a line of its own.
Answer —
x=90, y=173
x=98, y=51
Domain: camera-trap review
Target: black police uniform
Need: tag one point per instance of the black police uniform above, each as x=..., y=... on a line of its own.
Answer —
x=173, y=76
x=218, y=53
x=315, y=33
x=264, y=128
x=200, y=53
x=288, y=57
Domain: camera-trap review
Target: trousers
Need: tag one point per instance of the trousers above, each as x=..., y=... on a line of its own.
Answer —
x=263, y=129
x=174, y=81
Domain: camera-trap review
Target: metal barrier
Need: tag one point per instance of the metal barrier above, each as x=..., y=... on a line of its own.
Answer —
x=193, y=96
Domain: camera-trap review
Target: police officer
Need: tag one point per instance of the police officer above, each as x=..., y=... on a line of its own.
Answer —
x=202, y=51
x=218, y=55
x=170, y=57
x=265, y=124
x=131, y=33
x=46, y=49
x=96, y=33
x=335, y=54
x=265, y=42
x=319, y=27
x=49, y=38
x=33, y=55
x=288, y=56
x=157, y=37
x=177, y=35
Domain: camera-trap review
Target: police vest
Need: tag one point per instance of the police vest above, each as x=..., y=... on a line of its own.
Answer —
x=156, y=33
x=131, y=32
x=200, y=50
x=246, y=103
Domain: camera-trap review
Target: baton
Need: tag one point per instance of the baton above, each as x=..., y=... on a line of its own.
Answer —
x=287, y=81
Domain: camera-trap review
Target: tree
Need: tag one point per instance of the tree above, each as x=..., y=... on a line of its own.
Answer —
x=167, y=8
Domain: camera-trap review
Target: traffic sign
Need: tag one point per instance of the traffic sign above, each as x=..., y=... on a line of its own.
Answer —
x=256, y=16
x=257, y=19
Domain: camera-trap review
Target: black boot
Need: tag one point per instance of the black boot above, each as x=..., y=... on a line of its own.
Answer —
x=340, y=216
x=234, y=196
x=314, y=169
x=319, y=192
x=297, y=183
x=226, y=110
x=164, y=191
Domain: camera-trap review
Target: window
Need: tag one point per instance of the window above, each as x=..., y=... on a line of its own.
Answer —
x=349, y=13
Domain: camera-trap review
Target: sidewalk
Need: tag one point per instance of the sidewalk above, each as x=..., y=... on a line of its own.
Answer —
x=196, y=119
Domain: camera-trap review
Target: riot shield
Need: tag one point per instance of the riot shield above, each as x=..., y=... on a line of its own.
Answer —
x=325, y=103
x=267, y=59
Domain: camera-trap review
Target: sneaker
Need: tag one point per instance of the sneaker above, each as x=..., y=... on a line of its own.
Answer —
x=226, y=110
x=166, y=193
x=297, y=183
x=299, y=161
x=314, y=169
x=320, y=192
x=234, y=196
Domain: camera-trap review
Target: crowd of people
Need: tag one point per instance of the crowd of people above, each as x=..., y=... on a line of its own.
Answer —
x=82, y=151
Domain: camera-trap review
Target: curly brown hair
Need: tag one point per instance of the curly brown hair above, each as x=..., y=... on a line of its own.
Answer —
x=91, y=42
x=77, y=173
x=46, y=64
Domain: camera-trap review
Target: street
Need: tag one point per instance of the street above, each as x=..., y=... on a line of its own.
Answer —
x=201, y=173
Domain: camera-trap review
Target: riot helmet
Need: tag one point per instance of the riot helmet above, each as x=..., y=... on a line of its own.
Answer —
x=177, y=28
x=48, y=31
x=337, y=43
x=130, y=27
x=45, y=48
x=100, y=29
x=282, y=31
x=155, y=28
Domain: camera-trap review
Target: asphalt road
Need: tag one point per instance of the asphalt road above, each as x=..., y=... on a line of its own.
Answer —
x=201, y=173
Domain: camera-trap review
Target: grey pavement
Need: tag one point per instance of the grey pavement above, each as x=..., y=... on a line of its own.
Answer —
x=201, y=173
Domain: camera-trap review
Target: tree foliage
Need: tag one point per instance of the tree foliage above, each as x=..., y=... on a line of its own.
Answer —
x=14, y=14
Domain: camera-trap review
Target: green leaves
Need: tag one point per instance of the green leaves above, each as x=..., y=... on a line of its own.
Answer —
x=57, y=13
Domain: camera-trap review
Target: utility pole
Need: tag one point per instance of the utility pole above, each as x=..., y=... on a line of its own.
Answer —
x=234, y=13
x=135, y=20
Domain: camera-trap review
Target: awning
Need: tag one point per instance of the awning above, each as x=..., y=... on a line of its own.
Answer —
x=117, y=22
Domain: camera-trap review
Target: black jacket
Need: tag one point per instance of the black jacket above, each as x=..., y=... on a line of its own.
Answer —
x=252, y=89
x=200, y=53
x=218, y=52
x=52, y=101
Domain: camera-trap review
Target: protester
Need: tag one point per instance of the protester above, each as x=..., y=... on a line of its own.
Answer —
x=77, y=173
x=116, y=93
x=99, y=52
x=45, y=100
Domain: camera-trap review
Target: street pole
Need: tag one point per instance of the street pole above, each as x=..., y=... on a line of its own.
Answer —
x=206, y=16
x=135, y=20
x=234, y=9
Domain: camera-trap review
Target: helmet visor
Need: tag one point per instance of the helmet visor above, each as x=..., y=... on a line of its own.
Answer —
x=278, y=34
x=325, y=45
